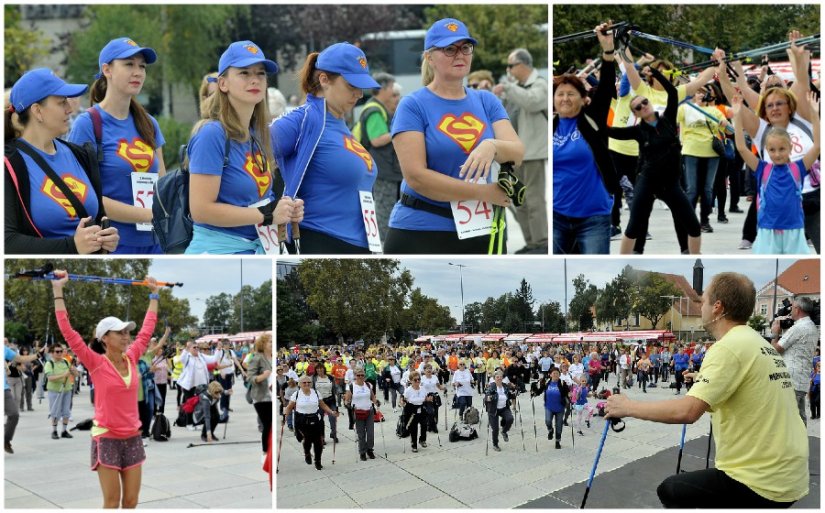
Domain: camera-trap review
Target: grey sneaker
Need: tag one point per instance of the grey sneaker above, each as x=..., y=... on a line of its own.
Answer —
x=745, y=244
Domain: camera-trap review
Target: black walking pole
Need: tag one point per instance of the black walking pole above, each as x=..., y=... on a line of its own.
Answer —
x=535, y=430
x=595, y=463
x=710, y=439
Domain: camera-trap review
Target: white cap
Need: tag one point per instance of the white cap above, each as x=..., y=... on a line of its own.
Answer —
x=112, y=324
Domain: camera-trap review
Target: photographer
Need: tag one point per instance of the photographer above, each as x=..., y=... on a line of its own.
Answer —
x=797, y=347
x=746, y=387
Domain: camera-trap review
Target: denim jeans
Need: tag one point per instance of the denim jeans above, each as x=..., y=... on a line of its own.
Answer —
x=554, y=422
x=581, y=235
x=700, y=172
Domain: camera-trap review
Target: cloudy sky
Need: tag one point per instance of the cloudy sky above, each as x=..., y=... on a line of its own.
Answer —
x=484, y=277
x=202, y=278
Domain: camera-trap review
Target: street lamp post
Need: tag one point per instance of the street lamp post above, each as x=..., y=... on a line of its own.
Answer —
x=461, y=281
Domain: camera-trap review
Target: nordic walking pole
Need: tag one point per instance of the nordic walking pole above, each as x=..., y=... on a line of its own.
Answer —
x=710, y=439
x=383, y=440
x=280, y=445
x=595, y=463
x=535, y=430
x=487, y=444
x=520, y=421
x=681, y=448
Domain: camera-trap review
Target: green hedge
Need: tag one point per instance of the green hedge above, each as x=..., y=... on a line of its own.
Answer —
x=176, y=134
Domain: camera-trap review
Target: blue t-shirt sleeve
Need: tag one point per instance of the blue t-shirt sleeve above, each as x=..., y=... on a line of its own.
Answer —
x=624, y=85
x=408, y=117
x=159, y=140
x=493, y=107
x=82, y=130
x=206, y=150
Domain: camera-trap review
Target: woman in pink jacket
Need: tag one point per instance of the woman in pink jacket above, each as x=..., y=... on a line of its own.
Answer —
x=117, y=450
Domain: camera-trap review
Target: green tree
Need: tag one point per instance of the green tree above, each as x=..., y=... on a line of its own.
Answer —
x=472, y=316
x=500, y=29
x=552, y=317
x=652, y=302
x=616, y=300
x=425, y=314
x=356, y=298
x=584, y=298
x=22, y=47
x=758, y=323
x=218, y=310
x=523, y=303
x=296, y=321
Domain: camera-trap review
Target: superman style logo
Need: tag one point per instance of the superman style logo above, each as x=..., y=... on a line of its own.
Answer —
x=255, y=168
x=53, y=192
x=130, y=42
x=452, y=27
x=137, y=153
x=354, y=146
x=363, y=62
x=252, y=49
x=465, y=130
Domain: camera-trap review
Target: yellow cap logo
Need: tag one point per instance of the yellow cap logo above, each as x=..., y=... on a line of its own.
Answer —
x=363, y=62
x=452, y=27
x=252, y=49
x=130, y=42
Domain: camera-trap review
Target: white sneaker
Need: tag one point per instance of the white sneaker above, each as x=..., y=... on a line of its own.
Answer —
x=745, y=244
x=393, y=410
x=190, y=427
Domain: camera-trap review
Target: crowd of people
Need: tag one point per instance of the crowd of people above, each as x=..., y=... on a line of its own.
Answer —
x=646, y=133
x=129, y=383
x=404, y=159
x=576, y=382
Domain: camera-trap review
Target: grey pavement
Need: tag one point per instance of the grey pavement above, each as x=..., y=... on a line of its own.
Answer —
x=47, y=474
x=459, y=475
x=724, y=240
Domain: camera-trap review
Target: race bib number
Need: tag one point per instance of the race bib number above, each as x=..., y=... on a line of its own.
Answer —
x=472, y=218
x=370, y=221
x=143, y=192
x=268, y=235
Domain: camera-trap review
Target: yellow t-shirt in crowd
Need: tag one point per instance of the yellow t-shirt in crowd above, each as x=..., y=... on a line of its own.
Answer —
x=760, y=438
x=697, y=130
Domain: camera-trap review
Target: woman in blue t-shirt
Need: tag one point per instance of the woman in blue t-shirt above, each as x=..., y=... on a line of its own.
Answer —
x=556, y=401
x=584, y=179
x=230, y=194
x=447, y=137
x=128, y=142
x=39, y=217
x=320, y=160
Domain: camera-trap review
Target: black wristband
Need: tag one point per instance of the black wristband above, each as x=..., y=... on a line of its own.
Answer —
x=611, y=52
x=267, y=210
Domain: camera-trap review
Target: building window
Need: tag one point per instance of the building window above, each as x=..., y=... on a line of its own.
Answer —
x=763, y=309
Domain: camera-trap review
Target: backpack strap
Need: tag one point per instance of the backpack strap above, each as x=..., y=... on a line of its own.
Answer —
x=97, y=127
x=13, y=176
x=80, y=210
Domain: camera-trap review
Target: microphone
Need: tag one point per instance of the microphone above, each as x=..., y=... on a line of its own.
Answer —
x=707, y=324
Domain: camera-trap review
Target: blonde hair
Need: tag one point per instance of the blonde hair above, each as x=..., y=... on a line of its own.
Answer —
x=203, y=94
x=790, y=97
x=217, y=108
x=777, y=131
x=427, y=73
x=214, y=388
x=260, y=343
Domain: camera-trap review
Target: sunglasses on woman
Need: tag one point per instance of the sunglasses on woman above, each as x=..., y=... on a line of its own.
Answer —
x=642, y=104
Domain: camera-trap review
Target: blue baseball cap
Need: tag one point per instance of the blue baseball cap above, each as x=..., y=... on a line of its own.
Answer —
x=242, y=54
x=348, y=61
x=445, y=32
x=38, y=84
x=123, y=48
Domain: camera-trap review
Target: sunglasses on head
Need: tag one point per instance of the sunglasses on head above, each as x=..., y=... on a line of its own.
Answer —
x=642, y=104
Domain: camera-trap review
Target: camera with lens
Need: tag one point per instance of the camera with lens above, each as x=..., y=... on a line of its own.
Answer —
x=784, y=311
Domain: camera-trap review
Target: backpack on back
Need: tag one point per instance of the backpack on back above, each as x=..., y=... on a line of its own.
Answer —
x=171, y=218
x=189, y=405
x=359, y=130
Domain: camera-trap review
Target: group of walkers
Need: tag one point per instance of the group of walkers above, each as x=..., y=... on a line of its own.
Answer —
x=648, y=136
x=238, y=156
x=129, y=385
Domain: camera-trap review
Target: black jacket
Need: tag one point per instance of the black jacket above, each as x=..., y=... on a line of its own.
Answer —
x=660, y=151
x=491, y=396
x=20, y=234
x=592, y=124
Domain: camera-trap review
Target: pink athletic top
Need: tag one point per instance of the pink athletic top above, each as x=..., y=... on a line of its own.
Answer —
x=116, y=405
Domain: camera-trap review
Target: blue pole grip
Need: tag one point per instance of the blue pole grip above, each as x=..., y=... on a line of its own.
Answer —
x=684, y=430
x=599, y=452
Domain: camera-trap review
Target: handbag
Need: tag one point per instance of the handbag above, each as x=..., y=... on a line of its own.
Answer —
x=723, y=147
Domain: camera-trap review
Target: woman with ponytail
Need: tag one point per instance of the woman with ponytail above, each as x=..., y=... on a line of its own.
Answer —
x=320, y=160
x=128, y=142
x=40, y=218
x=230, y=184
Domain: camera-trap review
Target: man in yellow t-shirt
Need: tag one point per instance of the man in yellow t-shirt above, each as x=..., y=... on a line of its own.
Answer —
x=761, y=442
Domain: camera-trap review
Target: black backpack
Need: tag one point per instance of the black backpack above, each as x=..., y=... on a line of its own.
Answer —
x=161, y=429
x=171, y=219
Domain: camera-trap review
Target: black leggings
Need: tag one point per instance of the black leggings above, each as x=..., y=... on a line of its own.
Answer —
x=405, y=242
x=418, y=424
x=645, y=193
x=313, y=435
x=317, y=243
x=625, y=166
x=711, y=488
x=162, y=389
x=264, y=410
